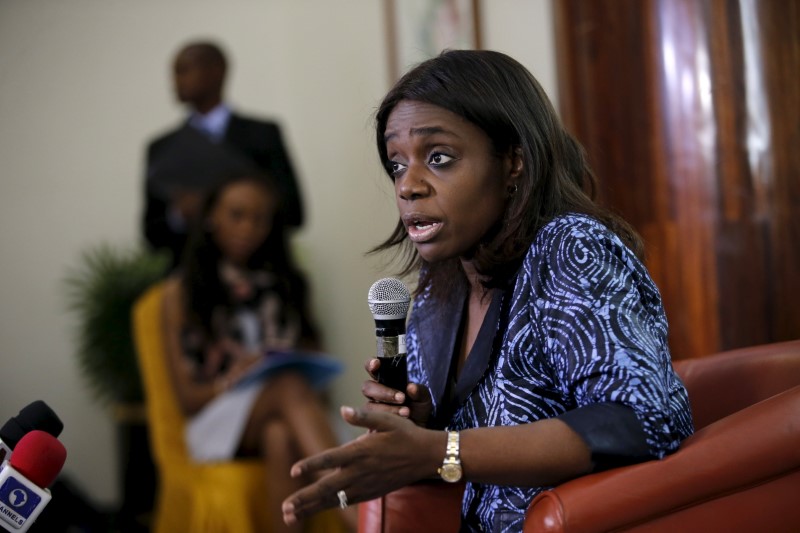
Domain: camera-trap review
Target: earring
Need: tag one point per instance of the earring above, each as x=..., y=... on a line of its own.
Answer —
x=512, y=189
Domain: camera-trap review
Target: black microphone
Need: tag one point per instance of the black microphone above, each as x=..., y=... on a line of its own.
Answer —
x=35, y=415
x=388, y=300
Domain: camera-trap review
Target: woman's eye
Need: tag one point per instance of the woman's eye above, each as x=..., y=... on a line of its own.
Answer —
x=438, y=159
x=395, y=167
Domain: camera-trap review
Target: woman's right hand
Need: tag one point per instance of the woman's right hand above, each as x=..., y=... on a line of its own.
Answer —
x=413, y=403
x=241, y=363
x=394, y=452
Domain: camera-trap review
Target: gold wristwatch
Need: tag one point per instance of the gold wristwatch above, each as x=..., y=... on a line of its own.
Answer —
x=451, y=466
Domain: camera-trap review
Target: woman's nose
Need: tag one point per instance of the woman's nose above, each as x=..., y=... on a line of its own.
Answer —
x=412, y=184
x=248, y=227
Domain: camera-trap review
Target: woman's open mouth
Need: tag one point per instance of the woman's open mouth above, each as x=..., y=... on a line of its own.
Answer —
x=421, y=229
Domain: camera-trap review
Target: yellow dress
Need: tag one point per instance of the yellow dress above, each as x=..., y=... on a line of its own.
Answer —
x=222, y=497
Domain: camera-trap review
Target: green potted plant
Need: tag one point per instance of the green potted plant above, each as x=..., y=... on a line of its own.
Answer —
x=101, y=291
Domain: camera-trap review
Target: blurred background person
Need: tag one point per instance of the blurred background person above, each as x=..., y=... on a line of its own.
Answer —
x=236, y=298
x=212, y=141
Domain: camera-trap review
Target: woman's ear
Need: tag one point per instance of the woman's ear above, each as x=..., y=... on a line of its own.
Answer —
x=516, y=162
x=515, y=167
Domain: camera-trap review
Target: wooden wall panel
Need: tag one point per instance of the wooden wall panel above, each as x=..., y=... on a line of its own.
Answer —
x=690, y=113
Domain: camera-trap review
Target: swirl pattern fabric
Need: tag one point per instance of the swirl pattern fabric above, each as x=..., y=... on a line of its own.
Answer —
x=584, y=325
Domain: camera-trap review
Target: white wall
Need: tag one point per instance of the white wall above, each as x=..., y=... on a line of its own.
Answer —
x=84, y=84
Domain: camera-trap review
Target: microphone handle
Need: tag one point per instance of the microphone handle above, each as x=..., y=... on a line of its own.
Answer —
x=391, y=351
x=21, y=500
x=390, y=336
x=5, y=452
x=393, y=372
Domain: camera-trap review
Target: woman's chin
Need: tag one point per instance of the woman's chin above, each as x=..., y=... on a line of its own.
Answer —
x=431, y=253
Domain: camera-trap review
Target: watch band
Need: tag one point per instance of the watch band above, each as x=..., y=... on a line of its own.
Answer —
x=451, y=470
x=452, y=450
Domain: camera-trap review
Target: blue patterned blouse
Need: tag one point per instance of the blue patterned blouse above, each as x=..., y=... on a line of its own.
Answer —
x=582, y=325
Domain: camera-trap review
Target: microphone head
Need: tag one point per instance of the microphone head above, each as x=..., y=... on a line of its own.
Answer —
x=388, y=299
x=36, y=415
x=39, y=457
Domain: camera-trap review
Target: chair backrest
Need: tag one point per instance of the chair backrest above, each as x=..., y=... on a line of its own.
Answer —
x=165, y=418
x=724, y=383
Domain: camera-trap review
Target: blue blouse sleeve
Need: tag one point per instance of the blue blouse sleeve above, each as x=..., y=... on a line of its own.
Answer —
x=602, y=326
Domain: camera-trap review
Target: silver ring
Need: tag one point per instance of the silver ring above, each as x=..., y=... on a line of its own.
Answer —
x=342, y=499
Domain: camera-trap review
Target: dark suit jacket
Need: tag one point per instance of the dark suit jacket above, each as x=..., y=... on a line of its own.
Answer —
x=259, y=141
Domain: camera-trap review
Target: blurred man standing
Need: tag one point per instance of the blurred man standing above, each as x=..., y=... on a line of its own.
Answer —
x=212, y=142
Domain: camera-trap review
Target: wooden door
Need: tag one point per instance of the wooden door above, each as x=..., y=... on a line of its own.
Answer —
x=690, y=113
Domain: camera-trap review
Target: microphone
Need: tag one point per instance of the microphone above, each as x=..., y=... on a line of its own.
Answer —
x=24, y=479
x=388, y=301
x=36, y=415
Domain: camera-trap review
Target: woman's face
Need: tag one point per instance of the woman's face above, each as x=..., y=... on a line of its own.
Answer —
x=450, y=186
x=241, y=220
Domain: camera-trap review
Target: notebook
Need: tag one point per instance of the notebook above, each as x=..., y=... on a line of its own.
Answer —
x=319, y=368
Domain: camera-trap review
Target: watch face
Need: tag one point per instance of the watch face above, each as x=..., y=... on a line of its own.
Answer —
x=451, y=473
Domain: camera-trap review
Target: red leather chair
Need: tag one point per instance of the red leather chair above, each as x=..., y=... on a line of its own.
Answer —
x=740, y=471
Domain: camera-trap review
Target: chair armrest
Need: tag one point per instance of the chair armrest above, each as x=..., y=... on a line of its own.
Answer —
x=743, y=450
x=417, y=508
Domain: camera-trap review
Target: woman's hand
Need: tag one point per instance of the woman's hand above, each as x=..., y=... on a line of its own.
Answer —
x=394, y=453
x=414, y=403
x=241, y=363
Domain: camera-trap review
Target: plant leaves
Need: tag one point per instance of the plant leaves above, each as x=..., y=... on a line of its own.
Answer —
x=100, y=292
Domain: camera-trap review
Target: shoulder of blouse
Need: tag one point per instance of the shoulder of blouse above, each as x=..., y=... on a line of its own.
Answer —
x=574, y=228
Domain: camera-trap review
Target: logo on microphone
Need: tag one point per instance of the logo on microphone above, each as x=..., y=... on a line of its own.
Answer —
x=17, y=502
x=18, y=497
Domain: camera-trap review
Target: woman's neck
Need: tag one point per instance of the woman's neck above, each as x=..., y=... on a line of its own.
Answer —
x=226, y=265
x=474, y=279
x=477, y=304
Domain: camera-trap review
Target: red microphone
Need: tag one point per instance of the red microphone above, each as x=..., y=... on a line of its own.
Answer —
x=34, y=465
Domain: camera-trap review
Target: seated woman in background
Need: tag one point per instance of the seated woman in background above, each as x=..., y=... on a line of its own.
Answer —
x=235, y=297
x=537, y=343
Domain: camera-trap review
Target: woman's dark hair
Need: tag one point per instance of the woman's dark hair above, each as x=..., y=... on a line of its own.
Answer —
x=204, y=292
x=499, y=95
